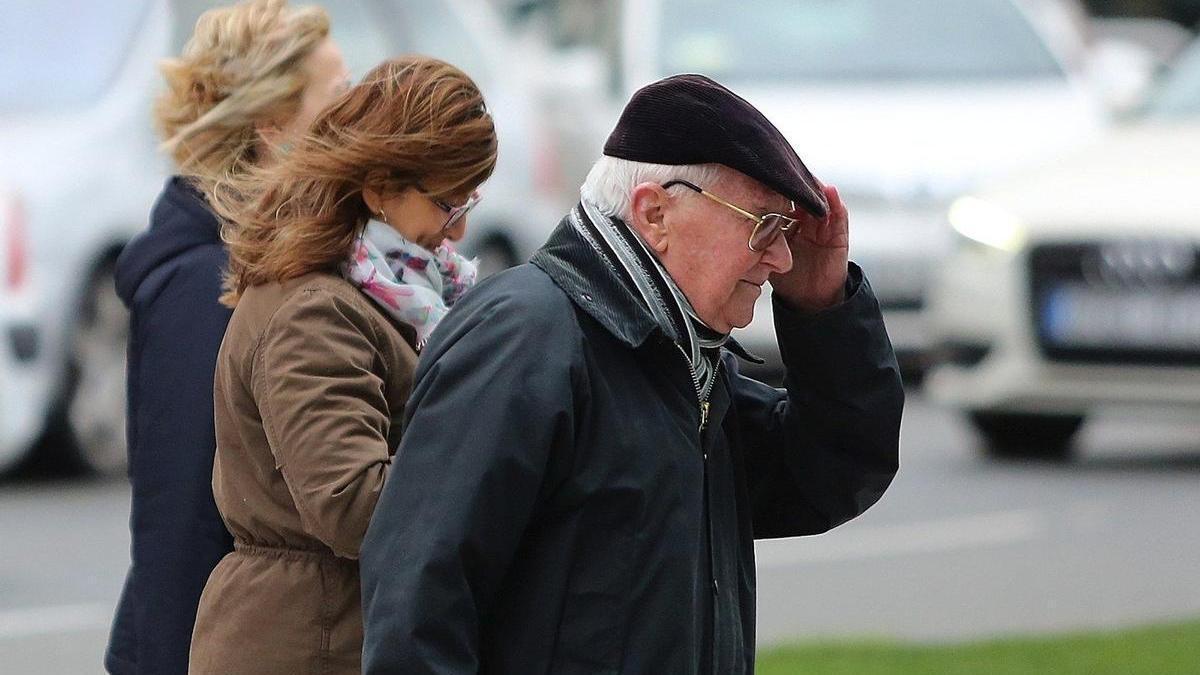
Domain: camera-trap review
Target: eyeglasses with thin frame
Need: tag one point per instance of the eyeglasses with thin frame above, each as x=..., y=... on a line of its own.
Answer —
x=455, y=213
x=767, y=227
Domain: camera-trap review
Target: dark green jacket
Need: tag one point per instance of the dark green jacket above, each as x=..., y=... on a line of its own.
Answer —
x=556, y=506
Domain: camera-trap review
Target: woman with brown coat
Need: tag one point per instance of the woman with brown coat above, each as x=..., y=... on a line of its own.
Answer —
x=339, y=271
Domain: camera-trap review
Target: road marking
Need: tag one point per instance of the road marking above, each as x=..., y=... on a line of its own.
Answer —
x=851, y=543
x=30, y=621
x=931, y=536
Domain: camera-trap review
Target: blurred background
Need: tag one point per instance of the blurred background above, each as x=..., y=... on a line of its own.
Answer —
x=1023, y=178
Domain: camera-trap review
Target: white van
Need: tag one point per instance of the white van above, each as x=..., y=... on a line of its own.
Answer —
x=80, y=169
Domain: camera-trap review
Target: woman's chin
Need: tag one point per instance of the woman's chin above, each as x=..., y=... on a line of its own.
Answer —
x=430, y=245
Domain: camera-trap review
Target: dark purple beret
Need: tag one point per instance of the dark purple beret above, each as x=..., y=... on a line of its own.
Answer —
x=690, y=119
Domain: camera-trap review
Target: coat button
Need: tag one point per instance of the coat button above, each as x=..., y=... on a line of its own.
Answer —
x=716, y=586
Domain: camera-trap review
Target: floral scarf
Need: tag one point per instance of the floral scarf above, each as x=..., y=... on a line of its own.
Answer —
x=412, y=284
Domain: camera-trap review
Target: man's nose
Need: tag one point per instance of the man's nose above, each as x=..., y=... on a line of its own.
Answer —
x=778, y=255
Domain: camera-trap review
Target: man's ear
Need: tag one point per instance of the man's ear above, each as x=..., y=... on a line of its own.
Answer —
x=648, y=203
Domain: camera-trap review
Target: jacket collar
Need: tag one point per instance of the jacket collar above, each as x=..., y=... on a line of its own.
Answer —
x=179, y=223
x=600, y=291
x=595, y=287
x=185, y=196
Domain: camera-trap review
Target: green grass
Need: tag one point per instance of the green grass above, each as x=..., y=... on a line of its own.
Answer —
x=1157, y=650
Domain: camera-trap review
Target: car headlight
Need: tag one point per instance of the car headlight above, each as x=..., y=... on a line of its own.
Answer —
x=986, y=223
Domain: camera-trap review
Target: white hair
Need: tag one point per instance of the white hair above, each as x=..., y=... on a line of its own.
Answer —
x=611, y=180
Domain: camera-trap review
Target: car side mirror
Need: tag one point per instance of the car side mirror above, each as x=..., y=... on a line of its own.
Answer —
x=573, y=72
x=1120, y=72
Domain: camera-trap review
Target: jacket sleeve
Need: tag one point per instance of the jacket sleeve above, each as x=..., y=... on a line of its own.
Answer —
x=320, y=393
x=493, y=402
x=825, y=448
x=177, y=533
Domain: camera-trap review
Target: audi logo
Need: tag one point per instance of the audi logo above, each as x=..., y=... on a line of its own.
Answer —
x=1140, y=263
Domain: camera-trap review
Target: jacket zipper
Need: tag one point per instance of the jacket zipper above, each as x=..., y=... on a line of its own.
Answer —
x=703, y=402
x=704, y=406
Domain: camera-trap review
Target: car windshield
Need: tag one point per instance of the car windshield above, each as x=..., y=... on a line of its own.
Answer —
x=54, y=55
x=852, y=39
x=1179, y=95
x=352, y=26
x=368, y=32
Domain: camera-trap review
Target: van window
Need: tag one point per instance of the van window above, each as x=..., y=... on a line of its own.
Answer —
x=436, y=29
x=354, y=27
x=1178, y=97
x=852, y=40
x=55, y=55
x=369, y=31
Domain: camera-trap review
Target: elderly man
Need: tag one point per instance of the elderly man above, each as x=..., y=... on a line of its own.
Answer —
x=584, y=471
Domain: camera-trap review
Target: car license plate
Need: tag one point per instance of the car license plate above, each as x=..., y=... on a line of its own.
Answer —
x=1077, y=315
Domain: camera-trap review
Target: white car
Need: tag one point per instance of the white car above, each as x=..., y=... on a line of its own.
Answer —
x=902, y=105
x=1075, y=287
x=81, y=170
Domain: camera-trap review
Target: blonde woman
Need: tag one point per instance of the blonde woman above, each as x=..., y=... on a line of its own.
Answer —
x=252, y=76
x=339, y=271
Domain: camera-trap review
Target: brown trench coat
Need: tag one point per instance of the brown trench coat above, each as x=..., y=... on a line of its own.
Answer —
x=311, y=384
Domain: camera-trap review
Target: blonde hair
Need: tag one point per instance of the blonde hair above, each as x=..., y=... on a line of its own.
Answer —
x=242, y=66
x=413, y=122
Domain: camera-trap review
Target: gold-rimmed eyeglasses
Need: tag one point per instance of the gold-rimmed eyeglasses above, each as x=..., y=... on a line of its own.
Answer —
x=767, y=227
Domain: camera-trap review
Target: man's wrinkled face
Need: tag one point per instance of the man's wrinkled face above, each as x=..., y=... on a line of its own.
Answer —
x=703, y=245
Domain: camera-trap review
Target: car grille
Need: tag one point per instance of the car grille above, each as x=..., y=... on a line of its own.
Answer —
x=1124, y=301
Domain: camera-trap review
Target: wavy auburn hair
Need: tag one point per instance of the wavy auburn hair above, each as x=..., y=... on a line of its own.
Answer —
x=242, y=66
x=413, y=122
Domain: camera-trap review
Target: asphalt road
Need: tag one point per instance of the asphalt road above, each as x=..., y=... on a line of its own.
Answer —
x=960, y=547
